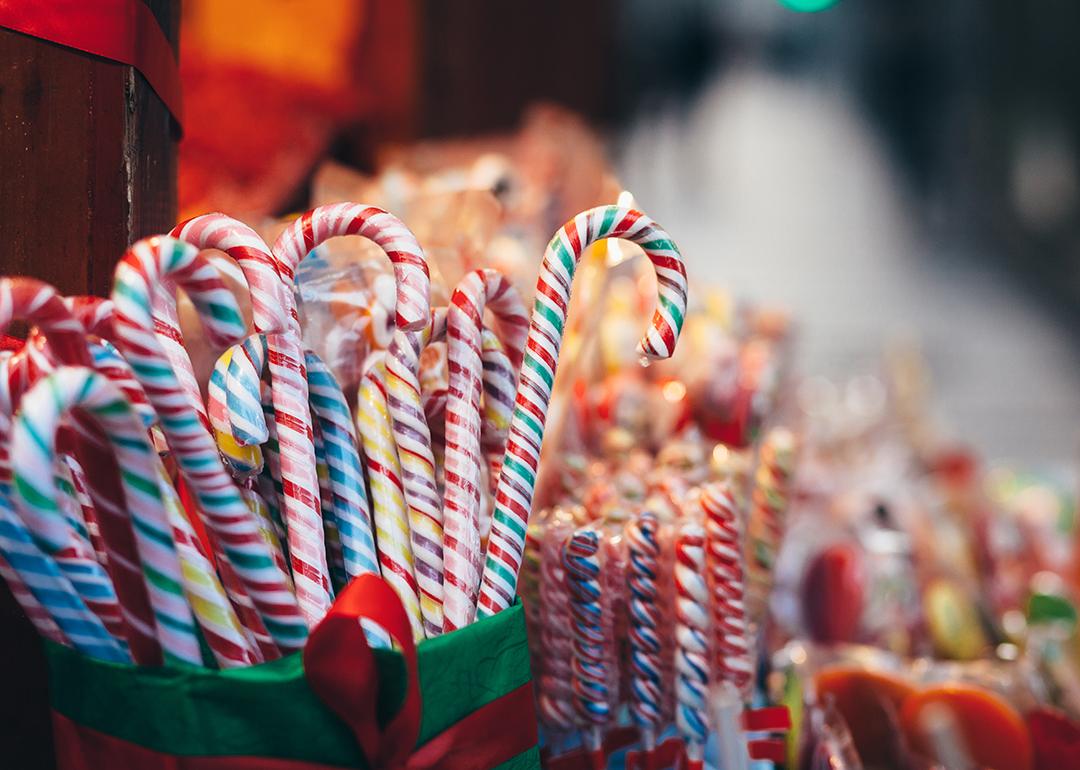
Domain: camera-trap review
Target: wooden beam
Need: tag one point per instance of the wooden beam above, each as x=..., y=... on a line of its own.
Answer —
x=87, y=165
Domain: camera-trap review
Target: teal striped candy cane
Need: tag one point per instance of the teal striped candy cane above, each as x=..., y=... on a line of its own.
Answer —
x=517, y=481
x=144, y=266
x=42, y=409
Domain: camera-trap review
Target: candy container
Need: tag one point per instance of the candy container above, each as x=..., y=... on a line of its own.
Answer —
x=514, y=495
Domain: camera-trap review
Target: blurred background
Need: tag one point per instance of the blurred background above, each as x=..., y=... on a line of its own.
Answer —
x=888, y=172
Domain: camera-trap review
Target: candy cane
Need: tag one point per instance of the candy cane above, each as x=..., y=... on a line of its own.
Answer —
x=229, y=642
x=351, y=508
x=385, y=230
x=691, y=642
x=555, y=694
x=581, y=561
x=273, y=312
x=462, y=553
x=413, y=438
x=517, y=481
x=723, y=558
x=243, y=460
x=646, y=666
x=500, y=384
x=145, y=264
x=124, y=605
x=392, y=535
x=34, y=455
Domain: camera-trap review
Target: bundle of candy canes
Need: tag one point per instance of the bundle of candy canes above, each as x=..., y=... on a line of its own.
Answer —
x=143, y=523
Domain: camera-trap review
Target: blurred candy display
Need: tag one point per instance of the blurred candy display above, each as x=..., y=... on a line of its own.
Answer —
x=720, y=562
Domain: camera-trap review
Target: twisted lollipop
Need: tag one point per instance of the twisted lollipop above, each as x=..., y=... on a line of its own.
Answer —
x=517, y=481
x=391, y=519
x=227, y=516
x=590, y=664
x=646, y=667
x=555, y=695
x=462, y=552
x=769, y=502
x=691, y=642
x=723, y=558
x=274, y=314
x=34, y=455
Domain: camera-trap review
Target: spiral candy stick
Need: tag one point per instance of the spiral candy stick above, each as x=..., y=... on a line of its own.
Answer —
x=555, y=695
x=391, y=520
x=274, y=313
x=517, y=480
x=462, y=554
x=646, y=666
x=500, y=384
x=769, y=502
x=347, y=484
x=33, y=450
x=227, y=515
x=723, y=558
x=581, y=561
x=691, y=642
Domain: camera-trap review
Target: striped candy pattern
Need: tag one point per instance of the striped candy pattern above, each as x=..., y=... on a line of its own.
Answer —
x=769, y=502
x=691, y=640
x=723, y=558
x=646, y=667
x=274, y=313
x=581, y=561
x=555, y=695
x=34, y=455
x=143, y=267
x=462, y=555
x=500, y=385
x=517, y=480
x=413, y=438
x=391, y=519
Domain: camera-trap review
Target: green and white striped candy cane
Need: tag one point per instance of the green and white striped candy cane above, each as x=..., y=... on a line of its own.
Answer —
x=234, y=529
x=41, y=412
x=517, y=481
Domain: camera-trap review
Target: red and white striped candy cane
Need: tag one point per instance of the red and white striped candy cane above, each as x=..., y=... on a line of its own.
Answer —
x=462, y=553
x=145, y=265
x=274, y=314
x=517, y=480
x=59, y=338
x=724, y=562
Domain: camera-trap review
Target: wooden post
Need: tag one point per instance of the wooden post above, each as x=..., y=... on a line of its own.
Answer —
x=87, y=165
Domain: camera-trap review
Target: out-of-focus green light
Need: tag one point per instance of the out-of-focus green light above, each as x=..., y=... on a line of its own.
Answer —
x=808, y=6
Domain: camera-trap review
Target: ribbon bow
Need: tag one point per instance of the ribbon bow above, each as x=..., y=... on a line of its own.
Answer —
x=341, y=669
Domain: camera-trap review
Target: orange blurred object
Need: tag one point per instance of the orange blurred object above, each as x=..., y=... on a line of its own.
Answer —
x=870, y=703
x=993, y=732
x=269, y=85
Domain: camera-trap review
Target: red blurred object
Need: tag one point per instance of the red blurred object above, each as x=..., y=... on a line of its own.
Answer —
x=832, y=594
x=1054, y=739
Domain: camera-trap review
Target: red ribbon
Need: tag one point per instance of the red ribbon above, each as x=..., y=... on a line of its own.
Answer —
x=125, y=31
x=341, y=670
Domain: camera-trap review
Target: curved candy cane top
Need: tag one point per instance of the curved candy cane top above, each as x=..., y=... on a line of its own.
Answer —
x=146, y=264
x=39, y=303
x=488, y=289
x=517, y=481
x=34, y=456
x=271, y=300
x=381, y=227
x=95, y=314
